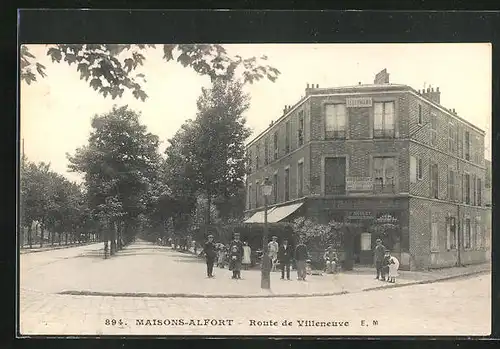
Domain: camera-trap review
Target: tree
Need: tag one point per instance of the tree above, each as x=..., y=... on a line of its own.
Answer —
x=221, y=131
x=109, y=68
x=119, y=164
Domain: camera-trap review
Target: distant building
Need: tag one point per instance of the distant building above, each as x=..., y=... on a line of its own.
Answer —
x=378, y=154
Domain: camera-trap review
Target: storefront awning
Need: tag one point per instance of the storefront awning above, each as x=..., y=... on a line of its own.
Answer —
x=258, y=217
x=280, y=213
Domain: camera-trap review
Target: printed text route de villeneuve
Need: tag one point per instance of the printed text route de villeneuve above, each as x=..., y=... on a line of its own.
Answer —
x=227, y=322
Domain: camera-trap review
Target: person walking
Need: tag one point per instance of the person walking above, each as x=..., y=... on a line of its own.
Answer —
x=210, y=254
x=273, y=249
x=247, y=252
x=379, y=252
x=301, y=256
x=285, y=255
x=236, y=255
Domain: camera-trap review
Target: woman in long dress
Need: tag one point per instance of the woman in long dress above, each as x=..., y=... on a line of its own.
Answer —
x=393, y=269
x=247, y=251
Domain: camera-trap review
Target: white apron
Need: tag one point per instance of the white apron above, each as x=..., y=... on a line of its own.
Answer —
x=393, y=267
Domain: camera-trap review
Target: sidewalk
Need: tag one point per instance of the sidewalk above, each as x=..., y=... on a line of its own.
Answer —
x=147, y=270
x=25, y=249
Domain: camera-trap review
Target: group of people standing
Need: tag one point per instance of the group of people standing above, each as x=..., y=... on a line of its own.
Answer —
x=239, y=255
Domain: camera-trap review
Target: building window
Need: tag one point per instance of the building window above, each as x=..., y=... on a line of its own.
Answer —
x=250, y=161
x=478, y=244
x=433, y=128
x=434, y=174
x=287, y=137
x=451, y=233
x=335, y=176
x=467, y=145
x=416, y=167
x=452, y=191
x=275, y=188
x=452, y=130
x=383, y=124
x=335, y=119
x=257, y=156
x=479, y=192
x=257, y=194
x=300, y=131
x=275, y=141
x=434, y=237
x=467, y=234
x=300, y=179
x=420, y=116
x=473, y=197
x=467, y=188
x=249, y=196
x=266, y=151
x=383, y=174
x=287, y=184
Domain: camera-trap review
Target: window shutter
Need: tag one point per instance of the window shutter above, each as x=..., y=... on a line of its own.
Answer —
x=413, y=169
x=448, y=234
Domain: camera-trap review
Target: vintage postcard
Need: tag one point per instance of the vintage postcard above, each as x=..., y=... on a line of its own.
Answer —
x=255, y=189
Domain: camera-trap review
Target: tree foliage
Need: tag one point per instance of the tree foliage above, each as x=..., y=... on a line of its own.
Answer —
x=120, y=164
x=110, y=68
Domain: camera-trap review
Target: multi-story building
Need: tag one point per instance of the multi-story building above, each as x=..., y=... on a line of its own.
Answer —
x=379, y=155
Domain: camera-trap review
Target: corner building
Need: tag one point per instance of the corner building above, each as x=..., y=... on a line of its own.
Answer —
x=377, y=155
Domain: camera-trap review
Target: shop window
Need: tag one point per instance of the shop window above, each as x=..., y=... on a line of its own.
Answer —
x=434, y=237
x=383, y=121
x=335, y=121
x=467, y=234
x=451, y=233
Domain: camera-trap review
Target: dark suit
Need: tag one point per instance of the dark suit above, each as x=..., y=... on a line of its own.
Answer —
x=285, y=255
x=379, y=253
x=235, y=257
x=210, y=252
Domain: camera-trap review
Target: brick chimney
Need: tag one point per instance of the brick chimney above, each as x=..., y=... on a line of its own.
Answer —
x=382, y=77
x=434, y=96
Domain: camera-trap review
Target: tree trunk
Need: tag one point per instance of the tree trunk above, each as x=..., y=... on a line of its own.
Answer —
x=41, y=234
x=66, y=238
x=30, y=235
x=52, y=238
x=59, y=236
x=112, y=230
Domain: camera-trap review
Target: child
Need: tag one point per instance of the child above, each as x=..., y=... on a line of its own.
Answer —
x=385, y=265
x=247, y=251
x=393, y=269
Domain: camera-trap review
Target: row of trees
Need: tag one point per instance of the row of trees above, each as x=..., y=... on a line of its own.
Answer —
x=128, y=186
x=52, y=204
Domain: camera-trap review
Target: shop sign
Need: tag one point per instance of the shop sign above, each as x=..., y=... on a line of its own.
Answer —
x=360, y=215
x=359, y=184
x=358, y=102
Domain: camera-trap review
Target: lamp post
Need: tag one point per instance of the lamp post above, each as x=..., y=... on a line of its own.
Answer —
x=266, y=260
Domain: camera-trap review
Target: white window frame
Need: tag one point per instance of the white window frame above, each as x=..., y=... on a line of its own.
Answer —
x=332, y=124
x=385, y=130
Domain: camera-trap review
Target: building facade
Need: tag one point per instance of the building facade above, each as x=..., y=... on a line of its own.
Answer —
x=381, y=155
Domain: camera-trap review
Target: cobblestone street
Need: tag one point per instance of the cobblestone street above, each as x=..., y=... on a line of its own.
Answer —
x=142, y=276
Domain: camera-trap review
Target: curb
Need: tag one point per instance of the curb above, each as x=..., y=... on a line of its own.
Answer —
x=424, y=282
x=234, y=296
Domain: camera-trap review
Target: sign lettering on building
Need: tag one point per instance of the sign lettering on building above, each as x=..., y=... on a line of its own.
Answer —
x=358, y=102
x=360, y=215
x=359, y=184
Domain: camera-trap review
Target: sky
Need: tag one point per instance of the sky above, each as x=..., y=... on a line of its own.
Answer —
x=56, y=110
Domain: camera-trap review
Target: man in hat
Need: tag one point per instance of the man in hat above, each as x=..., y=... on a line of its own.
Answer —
x=285, y=255
x=210, y=253
x=273, y=249
x=235, y=256
x=378, y=254
x=301, y=256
